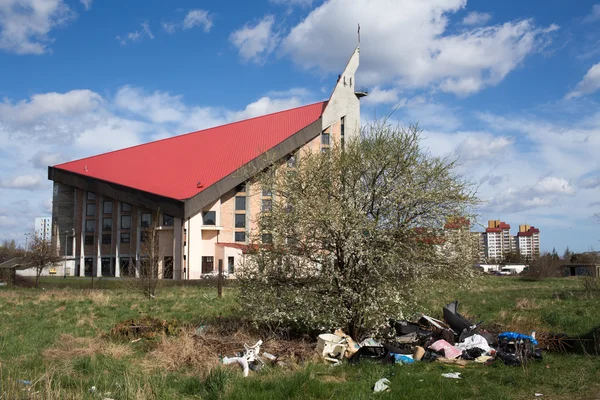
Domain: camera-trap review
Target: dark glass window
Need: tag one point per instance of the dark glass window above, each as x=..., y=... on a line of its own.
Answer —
x=107, y=238
x=241, y=188
x=124, y=264
x=107, y=224
x=90, y=225
x=106, y=263
x=267, y=238
x=325, y=138
x=125, y=237
x=209, y=218
x=89, y=239
x=230, y=265
x=108, y=207
x=90, y=209
x=91, y=196
x=291, y=162
x=125, y=221
x=240, y=236
x=240, y=203
x=240, y=220
x=125, y=207
x=146, y=220
x=168, y=220
x=267, y=193
x=267, y=204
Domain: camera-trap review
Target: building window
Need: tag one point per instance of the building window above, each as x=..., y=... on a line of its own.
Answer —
x=91, y=196
x=107, y=269
x=230, y=265
x=240, y=220
x=124, y=264
x=90, y=225
x=267, y=193
x=267, y=205
x=146, y=220
x=89, y=239
x=125, y=207
x=168, y=220
x=267, y=238
x=240, y=236
x=90, y=210
x=107, y=224
x=107, y=238
x=291, y=161
x=241, y=188
x=209, y=218
x=108, y=207
x=342, y=131
x=125, y=237
x=125, y=221
x=240, y=203
x=325, y=138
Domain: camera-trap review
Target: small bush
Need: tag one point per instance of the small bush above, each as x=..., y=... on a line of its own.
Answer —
x=590, y=285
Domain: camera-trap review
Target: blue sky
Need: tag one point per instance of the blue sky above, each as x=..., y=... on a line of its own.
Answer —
x=511, y=89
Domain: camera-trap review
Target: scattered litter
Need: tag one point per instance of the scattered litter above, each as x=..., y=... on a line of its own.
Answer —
x=92, y=389
x=538, y=394
x=330, y=345
x=25, y=382
x=452, y=375
x=270, y=357
x=381, y=385
x=403, y=358
x=483, y=359
x=370, y=342
x=474, y=341
x=418, y=353
x=449, y=350
x=200, y=330
x=248, y=360
x=136, y=340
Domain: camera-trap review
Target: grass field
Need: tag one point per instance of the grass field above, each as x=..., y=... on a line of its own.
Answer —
x=59, y=338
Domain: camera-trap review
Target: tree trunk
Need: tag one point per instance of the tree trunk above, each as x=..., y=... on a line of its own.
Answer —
x=37, y=277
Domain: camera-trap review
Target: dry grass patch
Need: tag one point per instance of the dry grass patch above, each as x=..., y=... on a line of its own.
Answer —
x=69, y=347
x=527, y=304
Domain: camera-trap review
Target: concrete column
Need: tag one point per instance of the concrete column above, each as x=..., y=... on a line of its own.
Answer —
x=177, y=248
x=138, y=240
x=99, y=211
x=118, y=240
x=82, y=237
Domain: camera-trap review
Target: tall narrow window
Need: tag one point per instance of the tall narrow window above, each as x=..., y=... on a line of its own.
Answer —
x=108, y=207
x=91, y=196
x=125, y=221
x=168, y=220
x=90, y=209
x=240, y=236
x=107, y=224
x=125, y=207
x=240, y=220
x=240, y=203
x=325, y=138
x=146, y=220
x=342, y=131
x=90, y=225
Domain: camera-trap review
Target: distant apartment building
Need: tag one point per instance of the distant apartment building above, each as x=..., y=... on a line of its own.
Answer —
x=43, y=228
x=528, y=241
x=496, y=243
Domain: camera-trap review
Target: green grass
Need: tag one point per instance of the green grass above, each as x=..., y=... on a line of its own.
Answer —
x=35, y=323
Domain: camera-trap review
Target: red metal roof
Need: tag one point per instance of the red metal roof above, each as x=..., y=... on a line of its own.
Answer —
x=529, y=232
x=173, y=167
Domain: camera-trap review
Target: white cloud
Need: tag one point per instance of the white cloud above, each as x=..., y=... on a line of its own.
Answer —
x=303, y=3
x=476, y=18
x=44, y=159
x=157, y=107
x=553, y=185
x=410, y=44
x=265, y=105
x=483, y=147
x=169, y=27
x=198, y=18
x=382, y=96
x=594, y=15
x=87, y=4
x=25, y=24
x=589, y=84
x=256, y=42
x=29, y=182
x=590, y=183
x=136, y=35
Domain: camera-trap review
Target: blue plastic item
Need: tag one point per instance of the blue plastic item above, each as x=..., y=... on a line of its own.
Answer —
x=402, y=358
x=517, y=336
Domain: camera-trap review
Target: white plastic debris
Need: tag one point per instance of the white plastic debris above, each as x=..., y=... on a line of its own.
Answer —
x=538, y=394
x=475, y=341
x=452, y=375
x=240, y=360
x=381, y=385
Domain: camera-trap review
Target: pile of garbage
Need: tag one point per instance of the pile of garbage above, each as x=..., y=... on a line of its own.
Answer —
x=456, y=340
